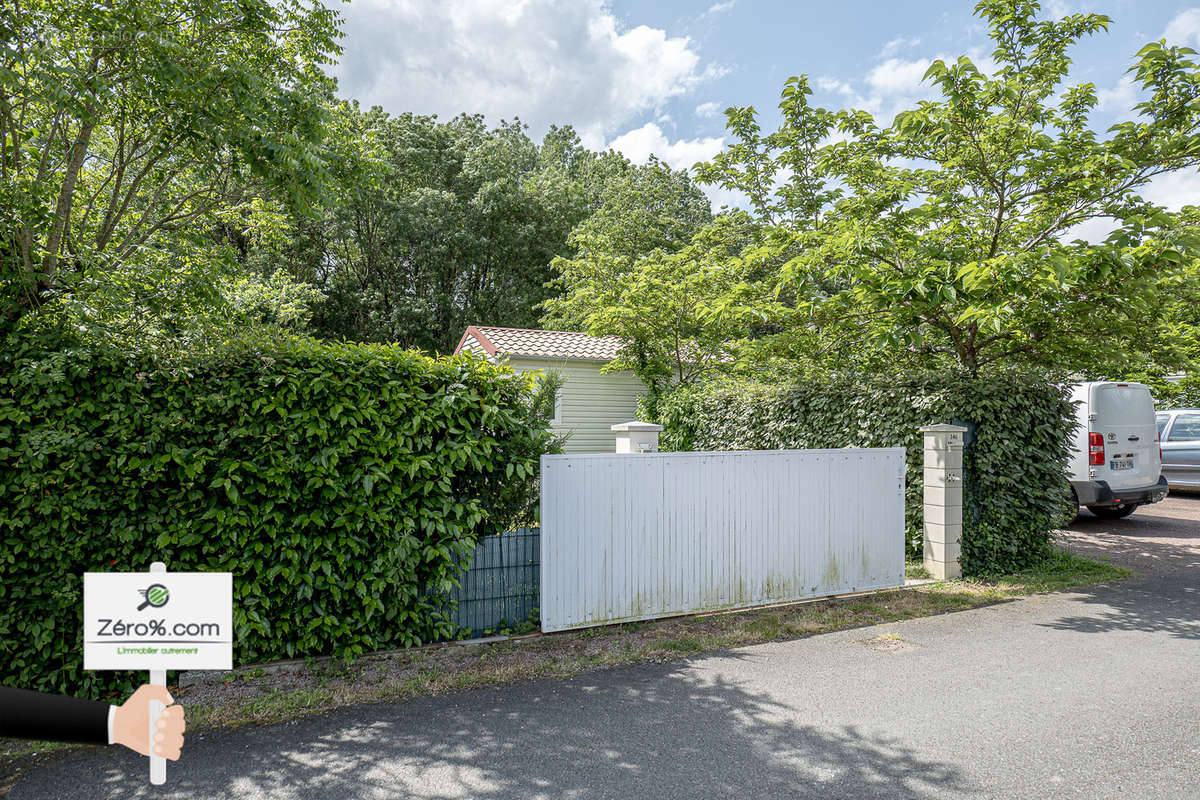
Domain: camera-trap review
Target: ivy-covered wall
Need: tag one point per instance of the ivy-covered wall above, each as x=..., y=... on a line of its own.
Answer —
x=1015, y=470
x=336, y=482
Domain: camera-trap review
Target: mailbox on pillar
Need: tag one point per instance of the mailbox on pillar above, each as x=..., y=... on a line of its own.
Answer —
x=943, y=499
x=637, y=437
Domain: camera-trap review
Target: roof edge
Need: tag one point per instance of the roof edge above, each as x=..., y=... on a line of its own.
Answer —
x=487, y=344
x=584, y=359
x=546, y=330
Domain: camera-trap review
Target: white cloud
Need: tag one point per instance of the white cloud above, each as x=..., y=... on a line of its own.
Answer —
x=540, y=60
x=895, y=83
x=828, y=84
x=1184, y=28
x=1057, y=9
x=709, y=109
x=719, y=8
x=640, y=143
x=719, y=197
x=899, y=43
x=1174, y=190
x=1119, y=100
x=898, y=76
x=1093, y=231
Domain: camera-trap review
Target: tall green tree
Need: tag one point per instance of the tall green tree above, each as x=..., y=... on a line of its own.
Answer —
x=947, y=237
x=128, y=128
x=432, y=226
x=639, y=271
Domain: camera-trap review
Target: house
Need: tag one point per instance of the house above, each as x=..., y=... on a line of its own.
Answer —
x=590, y=401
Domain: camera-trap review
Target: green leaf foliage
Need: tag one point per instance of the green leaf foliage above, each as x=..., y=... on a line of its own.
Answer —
x=949, y=236
x=1014, y=471
x=1175, y=394
x=340, y=484
x=648, y=267
x=430, y=225
x=128, y=131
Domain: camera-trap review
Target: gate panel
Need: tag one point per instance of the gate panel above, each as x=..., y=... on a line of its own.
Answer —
x=636, y=536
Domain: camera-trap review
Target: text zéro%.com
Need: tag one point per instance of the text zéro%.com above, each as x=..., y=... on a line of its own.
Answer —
x=153, y=627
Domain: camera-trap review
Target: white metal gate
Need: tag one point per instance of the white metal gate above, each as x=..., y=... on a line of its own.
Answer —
x=629, y=537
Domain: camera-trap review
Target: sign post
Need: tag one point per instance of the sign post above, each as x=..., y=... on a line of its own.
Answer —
x=158, y=677
x=157, y=621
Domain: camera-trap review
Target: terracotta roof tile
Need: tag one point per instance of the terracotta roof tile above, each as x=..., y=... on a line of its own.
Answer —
x=543, y=344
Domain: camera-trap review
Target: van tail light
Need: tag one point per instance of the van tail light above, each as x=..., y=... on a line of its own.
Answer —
x=1095, y=449
x=1158, y=438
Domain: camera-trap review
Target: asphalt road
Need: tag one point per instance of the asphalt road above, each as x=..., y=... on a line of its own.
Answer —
x=1089, y=695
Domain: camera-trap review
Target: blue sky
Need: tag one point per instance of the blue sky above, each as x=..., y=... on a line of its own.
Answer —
x=654, y=77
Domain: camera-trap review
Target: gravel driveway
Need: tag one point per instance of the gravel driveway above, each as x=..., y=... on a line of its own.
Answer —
x=1155, y=540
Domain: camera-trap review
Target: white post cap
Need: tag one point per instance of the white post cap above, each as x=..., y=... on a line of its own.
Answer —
x=637, y=426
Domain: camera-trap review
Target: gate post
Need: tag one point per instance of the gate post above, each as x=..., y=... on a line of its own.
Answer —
x=637, y=437
x=943, y=499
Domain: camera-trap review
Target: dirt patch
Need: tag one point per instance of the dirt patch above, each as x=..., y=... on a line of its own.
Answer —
x=888, y=643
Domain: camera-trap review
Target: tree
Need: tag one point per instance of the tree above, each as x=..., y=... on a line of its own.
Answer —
x=126, y=128
x=946, y=237
x=645, y=268
x=432, y=226
x=663, y=305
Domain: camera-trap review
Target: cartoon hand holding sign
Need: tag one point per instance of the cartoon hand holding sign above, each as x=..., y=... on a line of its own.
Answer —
x=156, y=621
x=52, y=717
x=129, y=626
x=130, y=729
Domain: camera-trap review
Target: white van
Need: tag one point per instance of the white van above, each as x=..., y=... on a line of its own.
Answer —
x=1116, y=462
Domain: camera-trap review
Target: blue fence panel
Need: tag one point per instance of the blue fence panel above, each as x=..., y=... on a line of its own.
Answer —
x=501, y=586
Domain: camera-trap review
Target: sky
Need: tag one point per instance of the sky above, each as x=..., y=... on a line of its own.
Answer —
x=654, y=78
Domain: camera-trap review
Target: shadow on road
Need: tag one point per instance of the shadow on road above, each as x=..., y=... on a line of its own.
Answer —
x=1162, y=542
x=1152, y=605
x=611, y=734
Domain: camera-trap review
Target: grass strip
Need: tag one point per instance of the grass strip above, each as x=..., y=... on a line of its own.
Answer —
x=258, y=696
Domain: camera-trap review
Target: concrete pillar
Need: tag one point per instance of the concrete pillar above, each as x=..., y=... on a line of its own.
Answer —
x=637, y=437
x=943, y=499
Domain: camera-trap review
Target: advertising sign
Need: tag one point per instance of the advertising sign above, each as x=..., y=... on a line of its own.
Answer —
x=158, y=621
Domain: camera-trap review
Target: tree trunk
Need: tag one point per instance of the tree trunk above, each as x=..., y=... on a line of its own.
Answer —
x=66, y=196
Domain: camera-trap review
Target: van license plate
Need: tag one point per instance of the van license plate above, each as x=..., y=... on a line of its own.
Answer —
x=1120, y=463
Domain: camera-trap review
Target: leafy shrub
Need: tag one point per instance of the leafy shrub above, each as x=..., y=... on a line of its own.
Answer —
x=338, y=483
x=1014, y=482
x=1176, y=394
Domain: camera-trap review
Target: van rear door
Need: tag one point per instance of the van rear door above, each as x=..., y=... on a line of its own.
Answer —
x=1124, y=417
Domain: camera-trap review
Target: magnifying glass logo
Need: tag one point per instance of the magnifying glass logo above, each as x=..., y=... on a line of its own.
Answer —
x=155, y=595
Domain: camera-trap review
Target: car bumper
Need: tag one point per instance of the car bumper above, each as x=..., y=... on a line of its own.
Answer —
x=1099, y=493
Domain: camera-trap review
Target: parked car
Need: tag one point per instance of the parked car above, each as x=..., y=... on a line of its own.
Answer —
x=1179, y=432
x=1115, y=464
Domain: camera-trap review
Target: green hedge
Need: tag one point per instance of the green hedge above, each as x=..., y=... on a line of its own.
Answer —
x=336, y=482
x=1014, y=494
x=1178, y=394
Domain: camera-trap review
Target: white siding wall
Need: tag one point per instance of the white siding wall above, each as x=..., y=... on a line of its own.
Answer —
x=629, y=537
x=591, y=401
